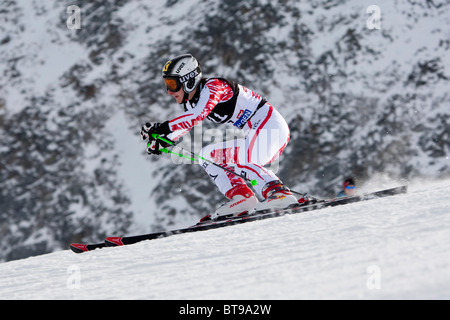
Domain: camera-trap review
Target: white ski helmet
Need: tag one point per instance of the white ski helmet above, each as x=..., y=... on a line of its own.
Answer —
x=182, y=71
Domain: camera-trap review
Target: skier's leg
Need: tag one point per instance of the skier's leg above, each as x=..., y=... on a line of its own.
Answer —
x=242, y=198
x=267, y=136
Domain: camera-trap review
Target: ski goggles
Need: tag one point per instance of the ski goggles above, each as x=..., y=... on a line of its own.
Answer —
x=350, y=187
x=172, y=83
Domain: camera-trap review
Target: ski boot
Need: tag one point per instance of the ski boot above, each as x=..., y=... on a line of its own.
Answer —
x=277, y=196
x=242, y=201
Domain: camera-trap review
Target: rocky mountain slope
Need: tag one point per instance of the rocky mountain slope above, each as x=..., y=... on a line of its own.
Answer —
x=360, y=101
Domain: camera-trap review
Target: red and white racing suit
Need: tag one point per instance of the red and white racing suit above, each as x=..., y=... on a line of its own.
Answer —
x=266, y=132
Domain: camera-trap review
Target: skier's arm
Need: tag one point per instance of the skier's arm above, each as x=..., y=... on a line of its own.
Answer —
x=214, y=91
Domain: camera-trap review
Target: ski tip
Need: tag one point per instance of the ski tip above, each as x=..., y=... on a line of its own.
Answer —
x=113, y=241
x=78, y=247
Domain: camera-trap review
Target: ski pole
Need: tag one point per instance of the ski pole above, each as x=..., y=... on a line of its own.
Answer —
x=253, y=182
x=156, y=136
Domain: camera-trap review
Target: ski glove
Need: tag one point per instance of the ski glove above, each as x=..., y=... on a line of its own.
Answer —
x=144, y=131
x=154, y=145
x=159, y=128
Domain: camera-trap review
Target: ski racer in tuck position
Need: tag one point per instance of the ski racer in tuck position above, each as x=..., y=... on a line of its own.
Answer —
x=224, y=101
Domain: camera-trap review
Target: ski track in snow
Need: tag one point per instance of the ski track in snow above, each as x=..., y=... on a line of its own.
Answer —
x=390, y=248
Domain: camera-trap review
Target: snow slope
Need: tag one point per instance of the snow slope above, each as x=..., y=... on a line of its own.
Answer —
x=390, y=248
x=358, y=101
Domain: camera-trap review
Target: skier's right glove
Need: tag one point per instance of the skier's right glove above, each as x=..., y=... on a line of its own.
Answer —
x=145, y=131
x=159, y=128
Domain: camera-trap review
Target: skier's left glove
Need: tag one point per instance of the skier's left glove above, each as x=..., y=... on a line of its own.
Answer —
x=154, y=146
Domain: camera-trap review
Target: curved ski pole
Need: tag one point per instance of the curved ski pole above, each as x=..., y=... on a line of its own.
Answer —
x=156, y=136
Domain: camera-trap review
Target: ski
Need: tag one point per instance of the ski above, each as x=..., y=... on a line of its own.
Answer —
x=81, y=247
x=259, y=215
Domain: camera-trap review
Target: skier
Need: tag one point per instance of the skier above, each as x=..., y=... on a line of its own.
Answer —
x=224, y=101
x=348, y=188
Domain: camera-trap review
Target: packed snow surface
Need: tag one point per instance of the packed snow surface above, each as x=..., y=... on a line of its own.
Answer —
x=390, y=248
